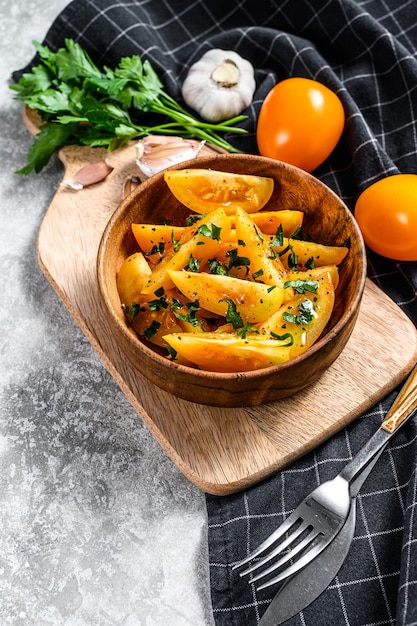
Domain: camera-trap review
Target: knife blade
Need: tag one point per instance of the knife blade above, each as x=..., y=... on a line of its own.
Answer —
x=299, y=591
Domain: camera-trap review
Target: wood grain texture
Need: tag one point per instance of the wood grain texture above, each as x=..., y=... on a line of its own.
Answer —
x=220, y=450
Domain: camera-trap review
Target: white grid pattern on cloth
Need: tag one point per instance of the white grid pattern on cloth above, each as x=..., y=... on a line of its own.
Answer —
x=366, y=50
x=372, y=568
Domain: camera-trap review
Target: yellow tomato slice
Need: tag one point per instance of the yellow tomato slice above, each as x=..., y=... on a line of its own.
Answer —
x=203, y=190
x=132, y=277
x=316, y=274
x=150, y=235
x=304, y=334
x=254, y=302
x=269, y=221
x=224, y=352
x=165, y=322
x=251, y=245
x=156, y=321
x=305, y=250
x=201, y=246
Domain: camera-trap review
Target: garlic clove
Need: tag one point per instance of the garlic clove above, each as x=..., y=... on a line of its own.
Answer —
x=156, y=153
x=130, y=185
x=89, y=174
x=220, y=85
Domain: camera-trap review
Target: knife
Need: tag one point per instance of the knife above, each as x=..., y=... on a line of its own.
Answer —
x=299, y=591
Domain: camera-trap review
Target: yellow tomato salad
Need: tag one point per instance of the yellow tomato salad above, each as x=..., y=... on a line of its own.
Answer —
x=234, y=288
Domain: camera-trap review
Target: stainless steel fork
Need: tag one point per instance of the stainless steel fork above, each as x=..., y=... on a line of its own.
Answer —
x=321, y=515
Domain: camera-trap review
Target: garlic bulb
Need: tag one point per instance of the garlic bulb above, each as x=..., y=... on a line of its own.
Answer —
x=220, y=85
x=155, y=153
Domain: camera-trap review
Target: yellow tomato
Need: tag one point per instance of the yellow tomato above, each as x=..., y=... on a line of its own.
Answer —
x=224, y=352
x=300, y=122
x=203, y=190
x=201, y=246
x=132, y=277
x=254, y=302
x=311, y=311
x=387, y=216
x=251, y=245
x=306, y=250
x=269, y=221
x=150, y=235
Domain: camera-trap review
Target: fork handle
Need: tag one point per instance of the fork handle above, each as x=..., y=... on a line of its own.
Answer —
x=402, y=410
x=405, y=404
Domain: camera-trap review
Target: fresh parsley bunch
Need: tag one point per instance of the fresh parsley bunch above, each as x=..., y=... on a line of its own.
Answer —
x=83, y=105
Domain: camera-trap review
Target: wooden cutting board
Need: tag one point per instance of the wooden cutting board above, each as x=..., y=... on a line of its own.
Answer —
x=220, y=450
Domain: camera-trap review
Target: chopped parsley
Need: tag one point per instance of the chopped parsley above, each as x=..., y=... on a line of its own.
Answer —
x=257, y=274
x=131, y=311
x=245, y=329
x=232, y=316
x=215, y=267
x=237, y=261
x=301, y=286
x=191, y=317
x=152, y=329
x=304, y=316
x=214, y=233
x=283, y=338
x=193, y=264
x=160, y=303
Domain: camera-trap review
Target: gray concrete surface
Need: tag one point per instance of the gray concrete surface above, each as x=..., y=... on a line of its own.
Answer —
x=97, y=526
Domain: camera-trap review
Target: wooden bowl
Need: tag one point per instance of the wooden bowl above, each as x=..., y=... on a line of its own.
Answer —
x=327, y=220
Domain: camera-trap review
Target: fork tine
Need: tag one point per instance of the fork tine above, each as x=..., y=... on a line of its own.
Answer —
x=304, y=560
x=277, y=534
x=302, y=545
x=279, y=548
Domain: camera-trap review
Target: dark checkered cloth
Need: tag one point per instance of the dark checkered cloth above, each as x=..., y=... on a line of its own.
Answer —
x=367, y=52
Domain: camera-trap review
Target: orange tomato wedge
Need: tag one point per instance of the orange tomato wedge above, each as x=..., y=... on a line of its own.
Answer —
x=203, y=190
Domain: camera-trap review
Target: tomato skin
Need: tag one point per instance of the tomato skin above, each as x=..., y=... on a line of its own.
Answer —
x=386, y=213
x=300, y=122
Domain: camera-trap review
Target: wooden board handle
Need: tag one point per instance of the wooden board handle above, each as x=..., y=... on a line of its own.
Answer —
x=405, y=403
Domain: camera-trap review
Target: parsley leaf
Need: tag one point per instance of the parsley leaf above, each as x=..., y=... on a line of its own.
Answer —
x=244, y=330
x=214, y=233
x=237, y=261
x=191, y=318
x=304, y=316
x=301, y=286
x=232, y=316
x=283, y=338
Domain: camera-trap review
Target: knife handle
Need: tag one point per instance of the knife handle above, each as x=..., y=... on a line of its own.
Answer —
x=405, y=403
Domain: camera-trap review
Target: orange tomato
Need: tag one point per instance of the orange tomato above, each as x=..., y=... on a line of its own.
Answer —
x=386, y=213
x=300, y=123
